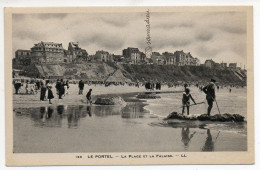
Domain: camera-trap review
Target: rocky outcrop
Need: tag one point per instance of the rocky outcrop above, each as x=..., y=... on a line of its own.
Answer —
x=110, y=101
x=204, y=117
x=147, y=96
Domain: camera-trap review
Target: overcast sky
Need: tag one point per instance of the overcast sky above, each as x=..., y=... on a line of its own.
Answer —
x=219, y=36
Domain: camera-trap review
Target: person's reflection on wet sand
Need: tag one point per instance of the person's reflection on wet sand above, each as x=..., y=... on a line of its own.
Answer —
x=80, y=108
x=60, y=109
x=89, y=111
x=70, y=117
x=209, y=144
x=49, y=113
x=42, y=111
x=186, y=137
x=73, y=118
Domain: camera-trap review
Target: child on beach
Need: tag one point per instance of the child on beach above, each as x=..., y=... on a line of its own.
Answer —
x=50, y=94
x=89, y=96
x=186, y=100
x=27, y=87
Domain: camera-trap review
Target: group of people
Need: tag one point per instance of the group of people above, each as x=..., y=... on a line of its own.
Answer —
x=63, y=86
x=152, y=86
x=31, y=87
x=61, y=89
x=209, y=90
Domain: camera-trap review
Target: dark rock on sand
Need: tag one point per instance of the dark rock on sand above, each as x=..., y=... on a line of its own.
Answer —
x=175, y=115
x=110, y=101
x=147, y=96
x=238, y=118
x=204, y=117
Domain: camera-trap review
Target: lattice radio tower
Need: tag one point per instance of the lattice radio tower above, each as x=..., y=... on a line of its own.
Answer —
x=148, y=48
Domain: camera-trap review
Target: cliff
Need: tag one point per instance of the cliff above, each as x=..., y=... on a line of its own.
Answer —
x=134, y=73
x=171, y=73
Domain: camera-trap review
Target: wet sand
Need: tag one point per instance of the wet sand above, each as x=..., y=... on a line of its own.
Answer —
x=74, y=126
x=22, y=100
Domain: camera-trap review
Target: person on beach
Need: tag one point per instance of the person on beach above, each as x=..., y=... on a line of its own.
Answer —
x=209, y=90
x=66, y=87
x=57, y=86
x=81, y=87
x=50, y=94
x=89, y=96
x=38, y=84
x=27, y=87
x=43, y=89
x=33, y=88
x=60, y=88
x=17, y=86
x=186, y=100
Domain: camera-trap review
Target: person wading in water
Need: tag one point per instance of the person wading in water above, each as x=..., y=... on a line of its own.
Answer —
x=209, y=90
x=89, y=96
x=186, y=100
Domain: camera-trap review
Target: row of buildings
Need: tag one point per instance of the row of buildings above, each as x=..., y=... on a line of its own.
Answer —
x=178, y=58
x=50, y=52
x=212, y=64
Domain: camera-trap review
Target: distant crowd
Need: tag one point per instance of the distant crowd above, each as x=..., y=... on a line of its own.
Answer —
x=34, y=86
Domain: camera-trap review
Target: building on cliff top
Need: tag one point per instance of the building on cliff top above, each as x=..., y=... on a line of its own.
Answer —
x=103, y=56
x=185, y=59
x=50, y=53
x=232, y=65
x=23, y=57
x=76, y=53
x=47, y=52
x=134, y=56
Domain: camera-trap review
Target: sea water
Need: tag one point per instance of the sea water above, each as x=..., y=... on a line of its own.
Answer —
x=137, y=127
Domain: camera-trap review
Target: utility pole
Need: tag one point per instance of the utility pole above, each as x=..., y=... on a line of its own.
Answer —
x=148, y=48
x=44, y=53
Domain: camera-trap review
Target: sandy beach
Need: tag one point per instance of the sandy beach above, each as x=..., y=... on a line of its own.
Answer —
x=21, y=100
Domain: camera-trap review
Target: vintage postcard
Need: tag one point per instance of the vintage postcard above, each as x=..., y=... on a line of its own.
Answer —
x=129, y=85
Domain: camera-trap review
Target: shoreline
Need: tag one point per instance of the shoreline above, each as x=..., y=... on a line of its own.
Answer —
x=33, y=100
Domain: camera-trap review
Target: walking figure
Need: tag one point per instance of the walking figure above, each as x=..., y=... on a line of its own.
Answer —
x=50, y=94
x=89, y=96
x=209, y=90
x=81, y=87
x=186, y=100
